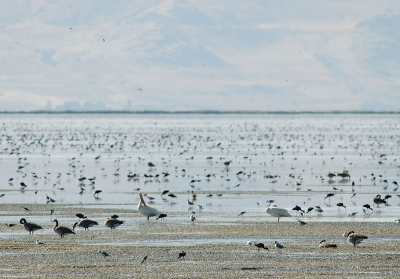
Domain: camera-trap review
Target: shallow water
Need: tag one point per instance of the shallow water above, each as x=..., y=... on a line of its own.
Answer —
x=54, y=151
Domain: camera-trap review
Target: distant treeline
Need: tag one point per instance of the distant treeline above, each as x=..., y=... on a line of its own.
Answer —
x=196, y=112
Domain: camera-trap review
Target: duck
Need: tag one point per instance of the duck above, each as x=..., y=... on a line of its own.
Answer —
x=61, y=230
x=378, y=200
x=146, y=210
x=30, y=227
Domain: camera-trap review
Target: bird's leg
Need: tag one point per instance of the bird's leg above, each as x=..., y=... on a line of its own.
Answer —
x=278, y=219
x=148, y=218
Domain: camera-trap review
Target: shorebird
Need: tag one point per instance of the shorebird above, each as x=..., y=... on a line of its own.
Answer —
x=302, y=223
x=39, y=242
x=326, y=244
x=279, y=212
x=278, y=245
x=161, y=216
x=144, y=259
x=330, y=174
x=60, y=230
x=378, y=200
x=355, y=238
x=96, y=193
x=30, y=227
x=85, y=223
x=339, y=205
x=260, y=245
x=182, y=254
x=104, y=254
x=146, y=210
x=150, y=164
x=192, y=218
x=80, y=216
x=112, y=223
x=298, y=209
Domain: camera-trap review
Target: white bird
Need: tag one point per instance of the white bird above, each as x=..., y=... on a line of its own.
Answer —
x=104, y=254
x=250, y=242
x=146, y=210
x=39, y=242
x=278, y=245
x=279, y=212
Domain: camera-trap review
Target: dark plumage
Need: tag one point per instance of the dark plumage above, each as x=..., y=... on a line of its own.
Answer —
x=112, y=223
x=86, y=224
x=60, y=230
x=30, y=227
x=260, y=245
x=162, y=215
x=182, y=254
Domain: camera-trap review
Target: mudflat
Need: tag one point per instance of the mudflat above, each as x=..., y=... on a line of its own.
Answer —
x=213, y=249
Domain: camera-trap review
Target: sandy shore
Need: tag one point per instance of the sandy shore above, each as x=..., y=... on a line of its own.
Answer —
x=214, y=250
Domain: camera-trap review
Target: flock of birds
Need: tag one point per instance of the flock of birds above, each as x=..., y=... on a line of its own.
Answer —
x=235, y=152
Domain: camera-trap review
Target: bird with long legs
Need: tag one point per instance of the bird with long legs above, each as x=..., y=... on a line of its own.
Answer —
x=145, y=209
x=279, y=212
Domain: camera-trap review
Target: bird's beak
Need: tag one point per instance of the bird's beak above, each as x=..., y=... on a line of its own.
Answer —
x=142, y=200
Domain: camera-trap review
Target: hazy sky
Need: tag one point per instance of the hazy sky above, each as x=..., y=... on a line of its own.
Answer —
x=197, y=55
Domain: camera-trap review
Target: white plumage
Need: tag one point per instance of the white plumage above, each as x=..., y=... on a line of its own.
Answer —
x=279, y=212
x=146, y=210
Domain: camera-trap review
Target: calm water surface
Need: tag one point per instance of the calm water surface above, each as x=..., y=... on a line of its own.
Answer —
x=284, y=158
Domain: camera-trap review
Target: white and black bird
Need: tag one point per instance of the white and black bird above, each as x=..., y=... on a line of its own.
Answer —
x=278, y=245
x=104, y=254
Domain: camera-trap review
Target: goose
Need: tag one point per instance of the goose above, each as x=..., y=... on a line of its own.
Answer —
x=30, y=227
x=279, y=212
x=326, y=244
x=60, y=230
x=85, y=223
x=112, y=223
x=355, y=238
x=146, y=210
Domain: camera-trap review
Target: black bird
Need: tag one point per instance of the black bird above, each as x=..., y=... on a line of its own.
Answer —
x=298, y=208
x=10, y=225
x=340, y=204
x=81, y=216
x=182, y=254
x=162, y=215
x=150, y=164
x=97, y=192
x=329, y=195
x=310, y=209
x=171, y=195
x=387, y=197
x=144, y=259
x=165, y=192
x=260, y=245
x=114, y=216
x=368, y=206
x=23, y=184
x=30, y=227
